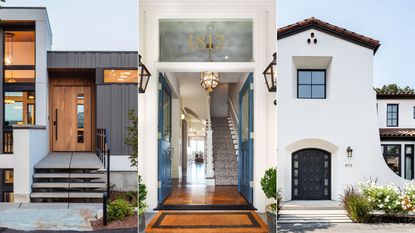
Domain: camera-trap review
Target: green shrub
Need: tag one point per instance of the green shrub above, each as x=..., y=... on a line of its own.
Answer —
x=386, y=198
x=356, y=205
x=142, y=196
x=269, y=183
x=119, y=209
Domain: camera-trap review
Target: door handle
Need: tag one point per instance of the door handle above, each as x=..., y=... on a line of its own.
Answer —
x=55, y=123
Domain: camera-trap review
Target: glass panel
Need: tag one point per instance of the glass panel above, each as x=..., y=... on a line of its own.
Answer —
x=393, y=149
x=19, y=108
x=304, y=91
x=120, y=76
x=8, y=177
x=326, y=164
x=166, y=116
x=408, y=150
x=190, y=40
x=409, y=165
x=295, y=164
x=19, y=48
x=295, y=182
x=295, y=192
x=393, y=163
x=19, y=76
x=326, y=191
x=8, y=197
x=304, y=77
x=296, y=173
x=80, y=117
x=318, y=77
x=318, y=91
x=245, y=116
x=326, y=182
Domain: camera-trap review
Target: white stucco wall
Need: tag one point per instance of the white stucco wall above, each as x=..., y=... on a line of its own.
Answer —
x=263, y=14
x=347, y=117
x=406, y=112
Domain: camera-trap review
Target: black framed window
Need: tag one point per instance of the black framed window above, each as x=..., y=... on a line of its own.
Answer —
x=311, y=84
x=392, y=115
x=392, y=156
x=409, y=162
x=414, y=112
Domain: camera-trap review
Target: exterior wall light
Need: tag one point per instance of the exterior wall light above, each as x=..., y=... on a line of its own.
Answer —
x=349, y=152
x=144, y=76
x=270, y=74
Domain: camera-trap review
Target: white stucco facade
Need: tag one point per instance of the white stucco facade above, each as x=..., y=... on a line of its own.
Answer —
x=264, y=43
x=347, y=117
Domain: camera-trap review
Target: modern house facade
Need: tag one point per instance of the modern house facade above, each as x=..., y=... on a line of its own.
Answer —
x=327, y=121
x=54, y=104
x=227, y=134
x=396, y=117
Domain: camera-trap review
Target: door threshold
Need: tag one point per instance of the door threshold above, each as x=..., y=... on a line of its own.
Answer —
x=205, y=207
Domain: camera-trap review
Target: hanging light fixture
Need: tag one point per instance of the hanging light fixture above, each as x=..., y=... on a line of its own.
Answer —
x=144, y=76
x=8, y=58
x=209, y=80
x=270, y=74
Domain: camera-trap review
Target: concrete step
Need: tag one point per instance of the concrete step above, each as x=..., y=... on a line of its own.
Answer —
x=67, y=185
x=69, y=175
x=66, y=195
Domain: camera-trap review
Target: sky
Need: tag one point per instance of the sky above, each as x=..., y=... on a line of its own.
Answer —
x=90, y=24
x=392, y=22
x=113, y=25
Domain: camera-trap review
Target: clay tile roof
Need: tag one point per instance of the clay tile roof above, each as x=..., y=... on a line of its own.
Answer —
x=408, y=95
x=329, y=28
x=397, y=132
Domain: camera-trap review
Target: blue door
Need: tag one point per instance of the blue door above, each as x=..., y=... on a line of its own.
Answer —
x=246, y=128
x=164, y=140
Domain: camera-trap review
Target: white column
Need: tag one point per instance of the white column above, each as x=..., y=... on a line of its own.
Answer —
x=209, y=146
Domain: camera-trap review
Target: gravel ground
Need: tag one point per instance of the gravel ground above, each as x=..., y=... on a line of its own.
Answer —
x=346, y=228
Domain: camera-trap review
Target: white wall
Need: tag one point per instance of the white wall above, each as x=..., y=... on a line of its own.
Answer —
x=406, y=112
x=219, y=101
x=347, y=117
x=263, y=14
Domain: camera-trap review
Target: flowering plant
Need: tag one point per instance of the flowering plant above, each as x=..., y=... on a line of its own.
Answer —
x=408, y=197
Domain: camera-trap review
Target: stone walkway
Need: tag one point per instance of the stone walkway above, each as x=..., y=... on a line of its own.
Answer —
x=345, y=228
x=48, y=216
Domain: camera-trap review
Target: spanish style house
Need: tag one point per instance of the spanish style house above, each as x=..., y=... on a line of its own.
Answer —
x=328, y=115
x=58, y=109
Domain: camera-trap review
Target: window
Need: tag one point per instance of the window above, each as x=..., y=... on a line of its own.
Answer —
x=392, y=114
x=8, y=197
x=409, y=162
x=392, y=156
x=414, y=112
x=311, y=84
x=19, y=56
x=8, y=176
x=121, y=76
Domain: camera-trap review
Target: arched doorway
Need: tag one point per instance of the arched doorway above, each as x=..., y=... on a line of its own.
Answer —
x=311, y=175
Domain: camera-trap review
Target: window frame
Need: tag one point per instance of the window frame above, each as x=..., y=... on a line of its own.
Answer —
x=18, y=67
x=414, y=112
x=397, y=115
x=399, y=155
x=120, y=83
x=311, y=85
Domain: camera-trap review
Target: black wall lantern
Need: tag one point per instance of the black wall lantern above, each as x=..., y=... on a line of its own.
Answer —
x=270, y=74
x=143, y=76
x=349, y=152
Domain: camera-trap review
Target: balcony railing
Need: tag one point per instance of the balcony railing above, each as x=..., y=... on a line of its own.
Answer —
x=103, y=148
x=8, y=141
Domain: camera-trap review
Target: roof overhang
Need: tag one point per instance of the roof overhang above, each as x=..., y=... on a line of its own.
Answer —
x=397, y=134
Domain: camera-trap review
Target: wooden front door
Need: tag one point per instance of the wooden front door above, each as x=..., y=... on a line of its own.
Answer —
x=71, y=118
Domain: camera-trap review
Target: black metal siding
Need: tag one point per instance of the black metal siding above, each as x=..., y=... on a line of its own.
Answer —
x=113, y=102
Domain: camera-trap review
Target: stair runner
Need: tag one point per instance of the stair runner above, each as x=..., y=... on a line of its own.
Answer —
x=74, y=177
x=224, y=155
x=313, y=212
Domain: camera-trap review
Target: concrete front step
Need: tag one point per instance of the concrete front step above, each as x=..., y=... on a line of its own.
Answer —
x=69, y=175
x=67, y=185
x=66, y=195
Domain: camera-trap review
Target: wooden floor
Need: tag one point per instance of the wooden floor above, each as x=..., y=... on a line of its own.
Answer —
x=191, y=190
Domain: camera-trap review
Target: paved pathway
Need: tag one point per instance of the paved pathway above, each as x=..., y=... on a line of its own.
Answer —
x=48, y=216
x=129, y=230
x=345, y=228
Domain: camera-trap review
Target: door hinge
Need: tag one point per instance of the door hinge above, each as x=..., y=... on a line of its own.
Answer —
x=159, y=86
x=251, y=184
x=251, y=86
x=159, y=135
x=159, y=184
x=251, y=135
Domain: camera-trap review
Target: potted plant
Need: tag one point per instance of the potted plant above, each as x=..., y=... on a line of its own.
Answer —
x=269, y=186
x=142, y=205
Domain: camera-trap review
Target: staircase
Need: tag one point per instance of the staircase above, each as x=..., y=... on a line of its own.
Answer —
x=72, y=177
x=224, y=153
x=297, y=212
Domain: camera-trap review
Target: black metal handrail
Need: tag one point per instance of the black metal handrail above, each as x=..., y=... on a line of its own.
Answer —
x=8, y=141
x=104, y=154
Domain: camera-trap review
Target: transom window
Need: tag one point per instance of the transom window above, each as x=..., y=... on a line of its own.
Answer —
x=311, y=84
x=392, y=156
x=120, y=76
x=392, y=115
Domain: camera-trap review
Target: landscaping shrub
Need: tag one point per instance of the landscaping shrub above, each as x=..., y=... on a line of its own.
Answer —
x=356, y=205
x=142, y=196
x=119, y=209
x=408, y=197
x=386, y=198
x=269, y=183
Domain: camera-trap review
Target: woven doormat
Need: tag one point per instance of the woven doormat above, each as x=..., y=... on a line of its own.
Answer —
x=207, y=222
